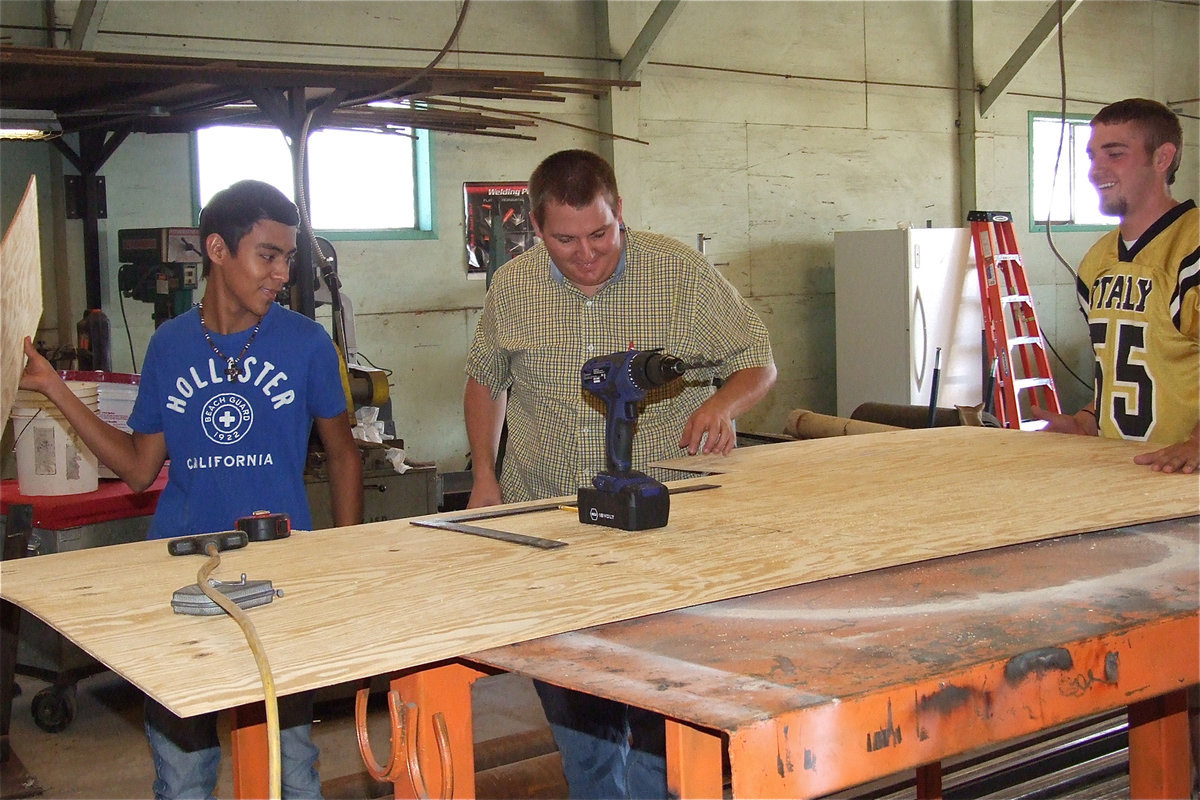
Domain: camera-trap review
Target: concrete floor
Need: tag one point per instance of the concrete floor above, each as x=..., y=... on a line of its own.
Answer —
x=103, y=752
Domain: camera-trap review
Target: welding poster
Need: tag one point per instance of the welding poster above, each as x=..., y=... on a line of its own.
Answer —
x=498, y=225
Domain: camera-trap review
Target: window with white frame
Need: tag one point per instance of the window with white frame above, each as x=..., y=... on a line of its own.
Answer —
x=1059, y=189
x=360, y=183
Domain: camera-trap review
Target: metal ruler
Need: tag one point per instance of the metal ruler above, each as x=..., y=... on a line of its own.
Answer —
x=504, y=536
x=457, y=523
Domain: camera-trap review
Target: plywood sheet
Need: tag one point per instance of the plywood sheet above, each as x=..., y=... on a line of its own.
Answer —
x=20, y=294
x=374, y=598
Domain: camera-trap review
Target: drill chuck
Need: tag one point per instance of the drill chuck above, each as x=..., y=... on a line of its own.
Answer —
x=650, y=369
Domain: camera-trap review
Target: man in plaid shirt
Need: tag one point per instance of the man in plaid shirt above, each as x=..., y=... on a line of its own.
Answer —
x=592, y=287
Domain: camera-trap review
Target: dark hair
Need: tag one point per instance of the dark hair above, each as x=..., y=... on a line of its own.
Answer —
x=573, y=178
x=1157, y=123
x=232, y=212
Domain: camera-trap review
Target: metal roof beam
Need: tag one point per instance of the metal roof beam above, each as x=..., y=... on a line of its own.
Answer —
x=1034, y=42
x=87, y=24
x=632, y=63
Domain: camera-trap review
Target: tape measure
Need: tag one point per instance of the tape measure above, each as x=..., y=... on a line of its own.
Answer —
x=263, y=526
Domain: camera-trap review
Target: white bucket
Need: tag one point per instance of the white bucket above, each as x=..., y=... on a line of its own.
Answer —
x=116, y=392
x=51, y=459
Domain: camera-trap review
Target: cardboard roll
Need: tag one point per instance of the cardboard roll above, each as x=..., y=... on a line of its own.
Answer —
x=905, y=416
x=805, y=424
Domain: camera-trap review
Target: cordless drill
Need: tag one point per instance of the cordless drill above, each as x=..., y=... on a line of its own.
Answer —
x=622, y=497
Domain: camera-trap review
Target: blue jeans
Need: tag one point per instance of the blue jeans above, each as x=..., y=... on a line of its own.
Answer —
x=187, y=754
x=608, y=749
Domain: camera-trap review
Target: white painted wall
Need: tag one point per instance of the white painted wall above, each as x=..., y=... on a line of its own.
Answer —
x=770, y=126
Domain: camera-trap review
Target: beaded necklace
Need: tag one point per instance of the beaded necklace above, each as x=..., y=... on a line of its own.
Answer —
x=233, y=368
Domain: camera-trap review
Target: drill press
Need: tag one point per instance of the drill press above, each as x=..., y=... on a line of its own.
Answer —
x=160, y=266
x=620, y=496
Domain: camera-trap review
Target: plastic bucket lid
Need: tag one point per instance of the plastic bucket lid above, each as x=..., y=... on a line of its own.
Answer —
x=27, y=402
x=99, y=376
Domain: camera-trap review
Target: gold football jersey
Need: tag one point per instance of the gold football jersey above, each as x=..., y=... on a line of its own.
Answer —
x=1142, y=306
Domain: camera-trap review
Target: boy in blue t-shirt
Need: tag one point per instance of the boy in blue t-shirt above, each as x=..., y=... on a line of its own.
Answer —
x=229, y=393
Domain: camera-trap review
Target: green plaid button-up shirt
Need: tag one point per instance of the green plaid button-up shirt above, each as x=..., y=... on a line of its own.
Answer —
x=537, y=330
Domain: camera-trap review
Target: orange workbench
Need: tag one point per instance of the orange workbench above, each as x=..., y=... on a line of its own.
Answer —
x=819, y=687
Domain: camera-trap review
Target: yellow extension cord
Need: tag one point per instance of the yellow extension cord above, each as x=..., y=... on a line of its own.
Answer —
x=260, y=658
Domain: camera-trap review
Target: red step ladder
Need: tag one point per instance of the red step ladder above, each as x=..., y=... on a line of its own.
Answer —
x=1014, y=336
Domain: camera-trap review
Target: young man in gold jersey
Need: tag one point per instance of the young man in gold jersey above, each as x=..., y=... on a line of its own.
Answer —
x=1139, y=288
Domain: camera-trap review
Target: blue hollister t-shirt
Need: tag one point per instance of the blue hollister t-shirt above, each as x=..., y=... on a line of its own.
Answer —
x=235, y=447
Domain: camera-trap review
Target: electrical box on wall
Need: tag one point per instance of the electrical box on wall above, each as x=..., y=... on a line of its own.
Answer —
x=76, y=197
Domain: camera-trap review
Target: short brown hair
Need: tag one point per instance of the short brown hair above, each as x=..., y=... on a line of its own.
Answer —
x=1158, y=125
x=573, y=178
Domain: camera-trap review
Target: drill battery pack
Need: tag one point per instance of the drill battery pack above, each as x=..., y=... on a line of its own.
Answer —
x=631, y=508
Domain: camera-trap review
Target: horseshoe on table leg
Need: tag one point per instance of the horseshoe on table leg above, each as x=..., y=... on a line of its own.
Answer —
x=395, y=757
x=405, y=747
x=442, y=736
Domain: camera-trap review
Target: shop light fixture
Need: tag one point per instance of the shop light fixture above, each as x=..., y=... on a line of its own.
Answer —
x=29, y=124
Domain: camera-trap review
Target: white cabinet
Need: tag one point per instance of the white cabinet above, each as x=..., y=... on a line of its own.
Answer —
x=899, y=295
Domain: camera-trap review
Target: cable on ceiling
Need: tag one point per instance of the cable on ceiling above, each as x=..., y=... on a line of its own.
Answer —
x=327, y=272
x=397, y=89
x=1062, y=132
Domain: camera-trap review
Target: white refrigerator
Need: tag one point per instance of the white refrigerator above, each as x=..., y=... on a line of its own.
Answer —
x=898, y=296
